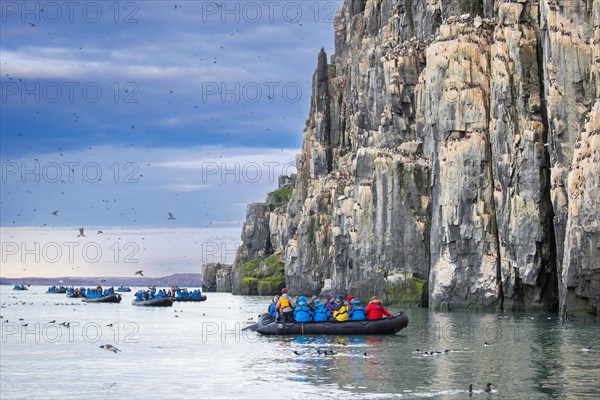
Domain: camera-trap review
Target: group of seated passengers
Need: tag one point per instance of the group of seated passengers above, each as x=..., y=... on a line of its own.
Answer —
x=151, y=294
x=97, y=292
x=183, y=293
x=284, y=308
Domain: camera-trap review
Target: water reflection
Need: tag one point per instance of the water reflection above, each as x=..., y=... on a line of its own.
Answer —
x=441, y=354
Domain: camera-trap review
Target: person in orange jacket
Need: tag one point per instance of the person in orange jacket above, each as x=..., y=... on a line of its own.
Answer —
x=375, y=309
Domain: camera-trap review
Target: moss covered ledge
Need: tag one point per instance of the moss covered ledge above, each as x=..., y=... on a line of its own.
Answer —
x=406, y=288
x=263, y=277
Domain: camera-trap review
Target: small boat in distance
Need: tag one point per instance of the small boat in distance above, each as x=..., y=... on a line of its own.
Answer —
x=268, y=326
x=95, y=295
x=185, y=295
x=54, y=289
x=20, y=287
x=155, y=302
x=123, y=289
x=189, y=298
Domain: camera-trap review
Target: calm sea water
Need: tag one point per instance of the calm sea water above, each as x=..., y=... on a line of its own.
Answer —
x=198, y=350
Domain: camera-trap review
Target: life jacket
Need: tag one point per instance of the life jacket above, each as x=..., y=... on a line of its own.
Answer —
x=302, y=313
x=284, y=302
x=342, y=314
x=321, y=313
x=357, y=313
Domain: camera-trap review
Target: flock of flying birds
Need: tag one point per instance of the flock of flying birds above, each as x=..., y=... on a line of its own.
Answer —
x=223, y=48
x=82, y=234
x=82, y=230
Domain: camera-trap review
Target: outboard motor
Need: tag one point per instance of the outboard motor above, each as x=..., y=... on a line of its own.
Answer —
x=265, y=319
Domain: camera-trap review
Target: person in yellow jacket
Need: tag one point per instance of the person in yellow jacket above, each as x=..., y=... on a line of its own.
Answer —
x=341, y=310
x=285, y=306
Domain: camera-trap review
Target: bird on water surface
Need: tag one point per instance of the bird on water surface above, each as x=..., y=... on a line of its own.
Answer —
x=109, y=347
x=488, y=389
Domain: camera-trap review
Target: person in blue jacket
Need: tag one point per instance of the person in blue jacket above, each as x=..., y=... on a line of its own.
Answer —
x=321, y=312
x=357, y=312
x=302, y=312
x=273, y=307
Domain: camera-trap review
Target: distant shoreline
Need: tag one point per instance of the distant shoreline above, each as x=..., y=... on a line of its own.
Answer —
x=190, y=280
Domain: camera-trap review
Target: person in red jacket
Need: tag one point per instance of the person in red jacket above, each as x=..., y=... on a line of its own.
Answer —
x=375, y=309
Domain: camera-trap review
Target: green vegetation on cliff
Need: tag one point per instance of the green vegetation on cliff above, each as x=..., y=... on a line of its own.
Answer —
x=263, y=277
x=406, y=288
x=280, y=196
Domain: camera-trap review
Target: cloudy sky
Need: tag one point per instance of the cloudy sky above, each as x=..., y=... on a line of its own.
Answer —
x=114, y=114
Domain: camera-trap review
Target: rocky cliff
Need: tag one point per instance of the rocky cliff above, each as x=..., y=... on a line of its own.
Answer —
x=216, y=277
x=451, y=158
x=259, y=267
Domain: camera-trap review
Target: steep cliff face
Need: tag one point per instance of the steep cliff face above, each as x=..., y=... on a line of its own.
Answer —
x=571, y=63
x=258, y=267
x=451, y=157
x=480, y=107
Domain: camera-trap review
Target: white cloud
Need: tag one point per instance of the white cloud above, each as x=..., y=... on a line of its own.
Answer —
x=116, y=252
x=206, y=189
x=43, y=63
x=186, y=187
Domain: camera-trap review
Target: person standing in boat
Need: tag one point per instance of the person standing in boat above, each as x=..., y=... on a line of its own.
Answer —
x=302, y=312
x=285, y=306
x=341, y=310
x=375, y=309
